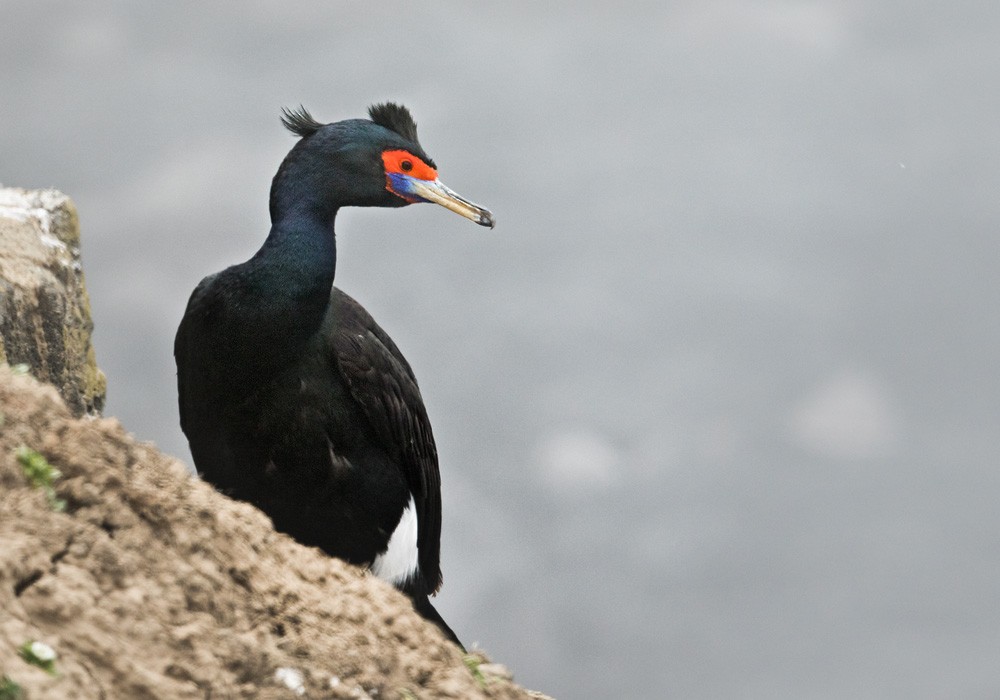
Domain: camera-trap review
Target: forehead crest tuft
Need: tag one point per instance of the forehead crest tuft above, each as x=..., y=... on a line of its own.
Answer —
x=395, y=117
x=299, y=121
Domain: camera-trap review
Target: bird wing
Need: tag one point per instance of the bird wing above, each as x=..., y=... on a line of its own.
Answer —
x=382, y=382
x=181, y=348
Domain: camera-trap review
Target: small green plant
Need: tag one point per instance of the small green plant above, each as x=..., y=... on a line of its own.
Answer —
x=41, y=475
x=473, y=662
x=39, y=654
x=407, y=694
x=10, y=690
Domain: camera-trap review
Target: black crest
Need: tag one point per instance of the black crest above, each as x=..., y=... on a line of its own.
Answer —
x=395, y=118
x=299, y=121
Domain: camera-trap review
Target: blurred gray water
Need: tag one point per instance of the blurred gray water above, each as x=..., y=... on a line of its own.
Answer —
x=716, y=401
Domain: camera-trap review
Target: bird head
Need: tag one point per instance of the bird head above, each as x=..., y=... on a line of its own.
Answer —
x=363, y=162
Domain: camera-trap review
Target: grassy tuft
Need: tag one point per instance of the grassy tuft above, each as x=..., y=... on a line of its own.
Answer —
x=473, y=662
x=10, y=690
x=39, y=654
x=41, y=475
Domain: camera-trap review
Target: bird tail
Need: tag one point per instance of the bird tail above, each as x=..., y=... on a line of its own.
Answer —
x=422, y=604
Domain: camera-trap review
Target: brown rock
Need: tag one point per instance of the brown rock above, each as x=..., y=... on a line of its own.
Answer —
x=44, y=309
x=150, y=584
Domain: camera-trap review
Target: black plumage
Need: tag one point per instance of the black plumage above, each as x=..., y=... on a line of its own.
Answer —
x=291, y=396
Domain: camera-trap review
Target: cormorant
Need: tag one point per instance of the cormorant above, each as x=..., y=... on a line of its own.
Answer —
x=291, y=396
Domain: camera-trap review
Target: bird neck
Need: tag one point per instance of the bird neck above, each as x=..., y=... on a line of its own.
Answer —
x=301, y=247
x=290, y=281
x=299, y=257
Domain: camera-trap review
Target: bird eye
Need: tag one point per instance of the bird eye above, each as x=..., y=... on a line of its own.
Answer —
x=406, y=166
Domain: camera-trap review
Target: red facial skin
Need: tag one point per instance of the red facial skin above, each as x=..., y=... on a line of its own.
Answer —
x=405, y=163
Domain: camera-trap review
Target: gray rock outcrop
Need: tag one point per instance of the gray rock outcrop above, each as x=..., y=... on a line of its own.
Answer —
x=45, y=318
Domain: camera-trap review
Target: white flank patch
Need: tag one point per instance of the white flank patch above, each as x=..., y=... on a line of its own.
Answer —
x=399, y=561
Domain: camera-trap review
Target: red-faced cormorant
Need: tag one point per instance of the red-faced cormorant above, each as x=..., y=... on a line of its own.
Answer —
x=291, y=396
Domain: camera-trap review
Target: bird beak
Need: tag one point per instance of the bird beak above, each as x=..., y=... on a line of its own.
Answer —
x=434, y=191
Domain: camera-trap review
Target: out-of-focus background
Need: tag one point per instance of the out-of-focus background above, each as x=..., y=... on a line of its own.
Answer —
x=717, y=400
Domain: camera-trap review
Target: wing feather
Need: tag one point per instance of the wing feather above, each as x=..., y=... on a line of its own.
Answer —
x=382, y=382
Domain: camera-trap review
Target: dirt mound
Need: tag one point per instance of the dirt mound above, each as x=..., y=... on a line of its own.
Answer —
x=147, y=583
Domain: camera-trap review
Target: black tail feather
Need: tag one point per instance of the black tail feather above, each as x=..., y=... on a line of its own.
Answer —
x=422, y=605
